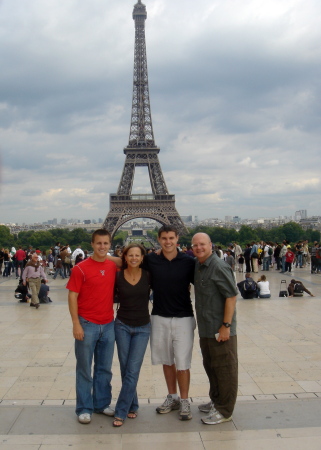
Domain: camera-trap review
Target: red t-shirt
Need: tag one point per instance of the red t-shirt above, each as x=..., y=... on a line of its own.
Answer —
x=94, y=282
x=289, y=256
x=20, y=255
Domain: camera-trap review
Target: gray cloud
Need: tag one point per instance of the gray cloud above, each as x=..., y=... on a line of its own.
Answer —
x=234, y=95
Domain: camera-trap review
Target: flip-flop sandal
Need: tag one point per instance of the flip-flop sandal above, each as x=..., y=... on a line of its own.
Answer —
x=117, y=419
x=133, y=415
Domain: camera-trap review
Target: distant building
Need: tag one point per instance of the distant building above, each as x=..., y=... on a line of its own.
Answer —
x=236, y=219
x=228, y=218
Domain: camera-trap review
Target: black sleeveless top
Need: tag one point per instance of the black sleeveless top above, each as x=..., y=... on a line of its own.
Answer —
x=133, y=300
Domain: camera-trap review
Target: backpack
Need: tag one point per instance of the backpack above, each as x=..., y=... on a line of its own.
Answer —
x=298, y=289
x=249, y=285
x=270, y=251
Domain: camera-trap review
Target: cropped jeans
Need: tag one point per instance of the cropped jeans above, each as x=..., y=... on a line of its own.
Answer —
x=94, y=393
x=131, y=346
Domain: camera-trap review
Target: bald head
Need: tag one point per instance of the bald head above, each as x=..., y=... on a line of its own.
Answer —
x=202, y=246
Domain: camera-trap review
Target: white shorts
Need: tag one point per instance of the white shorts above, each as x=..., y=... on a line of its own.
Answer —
x=171, y=341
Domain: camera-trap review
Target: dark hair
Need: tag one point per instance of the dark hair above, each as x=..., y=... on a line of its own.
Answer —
x=126, y=250
x=167, y=229
x=100, y=232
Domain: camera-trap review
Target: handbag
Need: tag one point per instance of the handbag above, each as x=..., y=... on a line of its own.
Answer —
x=254, y=255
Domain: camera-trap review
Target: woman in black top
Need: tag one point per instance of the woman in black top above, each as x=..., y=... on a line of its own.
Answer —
x=132, y=328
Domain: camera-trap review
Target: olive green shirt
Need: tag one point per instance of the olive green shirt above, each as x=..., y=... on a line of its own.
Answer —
x=214, y=282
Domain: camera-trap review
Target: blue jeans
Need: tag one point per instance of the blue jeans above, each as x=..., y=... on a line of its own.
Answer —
x=6, y=272
x=283, y=263
x=94, y=394
x=266, y=263
x=299, y=260
x=131, y=346
x=59, y=271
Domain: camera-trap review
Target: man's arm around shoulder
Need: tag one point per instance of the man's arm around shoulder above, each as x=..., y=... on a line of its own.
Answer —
x=115, y=259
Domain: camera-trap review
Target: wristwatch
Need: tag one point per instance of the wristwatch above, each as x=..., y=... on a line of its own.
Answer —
x=226, y=324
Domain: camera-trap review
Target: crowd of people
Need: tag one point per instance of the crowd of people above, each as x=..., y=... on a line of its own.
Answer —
x=265, y=256
x=14, y=261
x=32, y=267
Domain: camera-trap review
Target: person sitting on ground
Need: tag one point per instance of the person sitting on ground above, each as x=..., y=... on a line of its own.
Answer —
x=296, y=289
x=263, y=287
x=247, y=287
x=22, y=293
x=43, y=293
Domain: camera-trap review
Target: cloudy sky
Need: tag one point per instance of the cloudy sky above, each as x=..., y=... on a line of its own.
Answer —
x=235, y=98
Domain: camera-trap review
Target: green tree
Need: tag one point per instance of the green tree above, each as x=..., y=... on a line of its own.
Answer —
x=277, y=234
x=246, y=235
x=6, y=238
x=41, y=239
x=120, y=238
x=293, y=232
x=79, y=235
x=312, y=235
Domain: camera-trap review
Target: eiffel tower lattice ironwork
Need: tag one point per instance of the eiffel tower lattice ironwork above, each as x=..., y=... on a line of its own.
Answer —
x=142, y=151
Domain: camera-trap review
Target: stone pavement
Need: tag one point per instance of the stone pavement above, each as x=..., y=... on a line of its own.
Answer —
x=279, y=398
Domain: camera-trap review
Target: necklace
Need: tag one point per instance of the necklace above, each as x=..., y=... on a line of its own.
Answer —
x=132, y=276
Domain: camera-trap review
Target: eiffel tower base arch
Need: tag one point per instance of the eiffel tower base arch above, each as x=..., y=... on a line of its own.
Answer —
x=161, y=208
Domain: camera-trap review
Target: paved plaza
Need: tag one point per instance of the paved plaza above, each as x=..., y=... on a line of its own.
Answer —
x=279, y=397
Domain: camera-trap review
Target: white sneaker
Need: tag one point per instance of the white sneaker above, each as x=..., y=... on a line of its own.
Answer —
x=185, y=410
x=215, y=418
x=108, y=411
x=169, y=405
x=84, y=418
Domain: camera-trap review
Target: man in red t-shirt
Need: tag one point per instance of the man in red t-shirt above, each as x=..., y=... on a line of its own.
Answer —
x=20, y=257
x=90, y=298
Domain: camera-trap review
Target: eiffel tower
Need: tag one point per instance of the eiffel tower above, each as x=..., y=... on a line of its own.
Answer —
x=142, y=151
